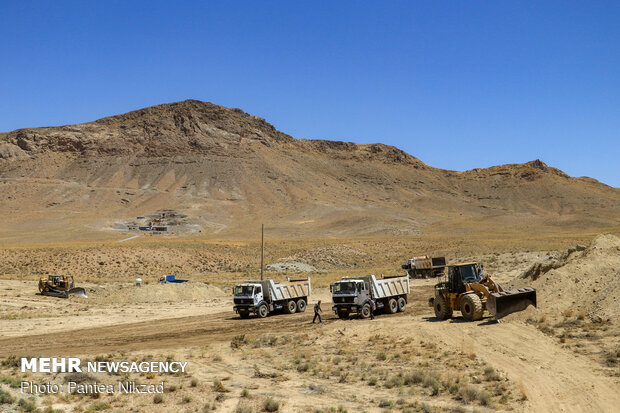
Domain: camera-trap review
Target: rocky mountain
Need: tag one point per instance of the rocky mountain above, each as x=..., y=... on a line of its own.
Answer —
x=228, y=171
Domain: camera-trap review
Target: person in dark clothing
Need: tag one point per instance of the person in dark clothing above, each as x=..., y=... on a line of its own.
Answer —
x=317, y=311
x=373, y=307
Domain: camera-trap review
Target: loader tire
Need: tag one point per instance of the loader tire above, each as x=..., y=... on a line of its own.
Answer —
x=402, y=304
x=471, y=307
x=365, y=312
x=442, y=311
x=301, y=305
x=391, y=307
x=290, y=307
x=244, y=314
x=263, y=311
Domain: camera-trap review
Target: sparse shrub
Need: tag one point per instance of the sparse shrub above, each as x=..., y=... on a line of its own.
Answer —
x=317, y=388
x=12, y=361
x=243, y=409
x=6, y=398
x=219, y=387
x=394, y=381
x=187, y=399
x=27, y=405
x=238, y=341
x=382, y=356
x=14, y=383
x=78, y=378
x=469, y=393
x=245, y=393
x=99, y=406
x=302, y=368
x=386, y=404
x=172, y=388
x=372, y=381
x=270, y=405
x=194, y=382
x=491, y=375
x=158, y=398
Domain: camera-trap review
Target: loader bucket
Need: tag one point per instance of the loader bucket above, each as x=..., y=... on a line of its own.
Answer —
x=77, y=291
x=511, y=301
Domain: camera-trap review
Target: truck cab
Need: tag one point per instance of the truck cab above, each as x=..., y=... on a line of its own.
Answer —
x=349, y=296
x=247, y=297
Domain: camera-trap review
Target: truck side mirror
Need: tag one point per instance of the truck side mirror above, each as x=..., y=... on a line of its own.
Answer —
x=331, y=288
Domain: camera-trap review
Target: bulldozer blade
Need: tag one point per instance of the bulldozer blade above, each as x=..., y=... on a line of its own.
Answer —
x=77, y=291
x=507, y=302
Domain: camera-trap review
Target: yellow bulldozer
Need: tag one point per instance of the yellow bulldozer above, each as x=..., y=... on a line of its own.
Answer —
x=60, y=286
x=465, y=288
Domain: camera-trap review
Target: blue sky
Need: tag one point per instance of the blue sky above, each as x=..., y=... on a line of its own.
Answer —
x=458, y=84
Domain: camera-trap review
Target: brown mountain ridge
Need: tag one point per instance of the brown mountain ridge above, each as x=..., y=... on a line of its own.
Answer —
x=229, y=171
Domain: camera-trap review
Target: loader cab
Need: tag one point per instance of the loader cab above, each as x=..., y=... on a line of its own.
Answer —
x=460, y=274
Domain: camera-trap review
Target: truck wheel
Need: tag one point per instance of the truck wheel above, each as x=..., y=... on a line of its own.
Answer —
x=343, y=314
x=263, y=311
x=301, y=305
x=365, y=313
x=391, y=307
x=471, y=307
x=244, y=314
x=442, y=311
x=290, y=307
x=402, y=304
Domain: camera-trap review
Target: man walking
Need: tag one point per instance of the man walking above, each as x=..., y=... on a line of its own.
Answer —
x=373, y=307
x=317, y=311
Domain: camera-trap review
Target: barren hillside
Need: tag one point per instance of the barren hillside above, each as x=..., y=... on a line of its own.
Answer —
x=228, y=171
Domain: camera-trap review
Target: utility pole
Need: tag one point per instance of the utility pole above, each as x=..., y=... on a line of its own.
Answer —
x=262, y=248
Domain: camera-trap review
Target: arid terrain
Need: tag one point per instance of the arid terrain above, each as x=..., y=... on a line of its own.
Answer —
x=69, y=195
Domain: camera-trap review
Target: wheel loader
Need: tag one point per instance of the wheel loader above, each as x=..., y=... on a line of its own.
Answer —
x=467, y=289
x=59, y=286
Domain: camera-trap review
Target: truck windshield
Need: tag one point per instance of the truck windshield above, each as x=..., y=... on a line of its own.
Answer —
x=244, y=290
x=344, y=288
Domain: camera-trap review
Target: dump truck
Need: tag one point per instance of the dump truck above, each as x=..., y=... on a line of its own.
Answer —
x=60, y=286
x=424, y=266
x=352, y=295
x=467, y=289
x=264, y=297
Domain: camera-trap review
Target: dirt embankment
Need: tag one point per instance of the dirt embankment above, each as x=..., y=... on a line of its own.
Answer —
x=582, y=279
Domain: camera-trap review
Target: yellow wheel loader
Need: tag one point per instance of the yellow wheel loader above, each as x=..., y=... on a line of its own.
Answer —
x=59, y=286
x=466, y=289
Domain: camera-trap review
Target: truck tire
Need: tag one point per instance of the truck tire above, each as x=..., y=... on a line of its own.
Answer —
x=290, y=307
x=365, y=313
x=391, y=307
x=244, y=314
x=402, y=304
x=442, y=311
x=343, y=314
x=263, y=311
x=471, y=307
x=301, y=305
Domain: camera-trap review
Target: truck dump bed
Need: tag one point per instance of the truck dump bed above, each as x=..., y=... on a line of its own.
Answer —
x=284, y=291
x=386, y=287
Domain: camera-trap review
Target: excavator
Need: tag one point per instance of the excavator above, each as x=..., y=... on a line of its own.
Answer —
x=467, y=289
x=60, y=286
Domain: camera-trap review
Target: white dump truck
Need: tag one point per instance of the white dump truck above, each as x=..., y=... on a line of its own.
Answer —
x=263, y=297
x=352, y=295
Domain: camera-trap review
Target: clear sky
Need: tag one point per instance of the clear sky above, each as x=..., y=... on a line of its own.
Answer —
x=458, y=84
